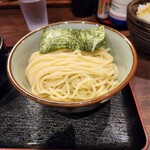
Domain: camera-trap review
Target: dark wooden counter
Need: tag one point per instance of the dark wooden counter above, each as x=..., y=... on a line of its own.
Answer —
x=13, y=27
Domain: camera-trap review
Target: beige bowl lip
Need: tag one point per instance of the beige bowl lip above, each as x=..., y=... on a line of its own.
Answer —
x=72, y=104
x=129, y=10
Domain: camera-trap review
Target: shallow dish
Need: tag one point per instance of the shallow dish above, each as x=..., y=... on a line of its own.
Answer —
x=121, y=49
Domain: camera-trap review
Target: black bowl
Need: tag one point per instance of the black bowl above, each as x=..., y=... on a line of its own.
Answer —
x=139, y=28
x=3, y=61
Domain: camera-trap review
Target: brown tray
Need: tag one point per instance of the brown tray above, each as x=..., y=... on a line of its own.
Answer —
x=116, y=124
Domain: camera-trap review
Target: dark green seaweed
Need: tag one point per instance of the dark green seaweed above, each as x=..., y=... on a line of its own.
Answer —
x=86, y=40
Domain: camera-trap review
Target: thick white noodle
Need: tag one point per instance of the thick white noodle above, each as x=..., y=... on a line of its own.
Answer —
x=66, y=75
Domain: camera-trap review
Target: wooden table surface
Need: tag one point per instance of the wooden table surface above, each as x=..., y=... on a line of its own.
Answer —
x=13, y=27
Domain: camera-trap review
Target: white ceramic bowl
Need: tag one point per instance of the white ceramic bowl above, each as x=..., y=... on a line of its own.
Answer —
x=122, y=50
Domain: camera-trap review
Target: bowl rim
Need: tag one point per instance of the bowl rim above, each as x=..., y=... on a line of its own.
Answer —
x=129, y=10
x=72, y=104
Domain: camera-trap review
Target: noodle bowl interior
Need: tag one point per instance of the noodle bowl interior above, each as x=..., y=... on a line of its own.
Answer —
x=65, y=76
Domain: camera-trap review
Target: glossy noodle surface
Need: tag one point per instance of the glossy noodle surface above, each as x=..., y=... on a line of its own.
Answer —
x=66, y=75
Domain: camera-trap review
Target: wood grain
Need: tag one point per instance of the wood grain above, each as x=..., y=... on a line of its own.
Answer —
x=15, y=3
